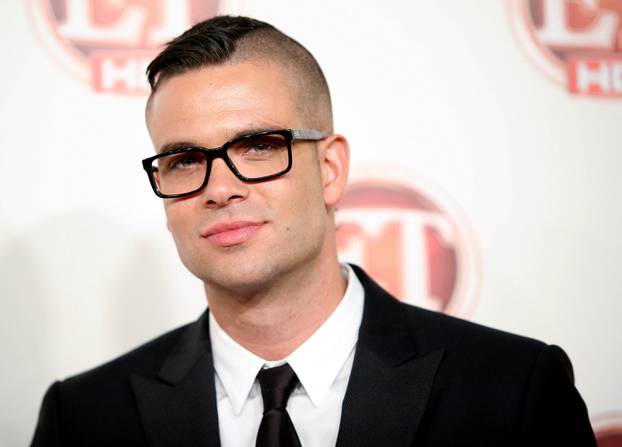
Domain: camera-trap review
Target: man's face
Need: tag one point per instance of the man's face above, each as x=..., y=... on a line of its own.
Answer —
x=235, y=235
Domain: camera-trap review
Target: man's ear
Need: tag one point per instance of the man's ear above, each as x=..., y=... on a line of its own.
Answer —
x=334, y=160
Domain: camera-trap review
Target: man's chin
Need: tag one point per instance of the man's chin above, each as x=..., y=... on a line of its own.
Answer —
x=242, y=278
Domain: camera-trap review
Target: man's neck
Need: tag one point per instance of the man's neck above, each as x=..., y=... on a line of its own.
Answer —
x=275, y=321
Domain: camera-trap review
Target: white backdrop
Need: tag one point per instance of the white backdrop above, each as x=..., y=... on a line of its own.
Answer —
x=440, y=89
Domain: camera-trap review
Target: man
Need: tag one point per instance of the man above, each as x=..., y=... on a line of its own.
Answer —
x=295, y=348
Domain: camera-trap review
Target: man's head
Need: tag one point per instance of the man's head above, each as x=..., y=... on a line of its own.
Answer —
x=228, y=77
x=229, y=40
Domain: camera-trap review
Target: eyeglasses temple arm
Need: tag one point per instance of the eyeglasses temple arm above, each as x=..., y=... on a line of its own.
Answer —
x=300, y=134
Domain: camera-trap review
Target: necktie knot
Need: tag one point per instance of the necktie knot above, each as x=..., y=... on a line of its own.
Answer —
x=276, y=386
x=276, y=428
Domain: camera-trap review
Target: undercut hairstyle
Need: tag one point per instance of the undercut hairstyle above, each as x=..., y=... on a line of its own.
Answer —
x=226, y=39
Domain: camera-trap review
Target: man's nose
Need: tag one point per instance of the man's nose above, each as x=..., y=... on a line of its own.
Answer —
x=223, y=186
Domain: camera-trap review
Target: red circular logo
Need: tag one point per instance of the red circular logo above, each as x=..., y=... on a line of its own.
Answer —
x=575, y=42
x=608, y=429
x=413, y=240
x=109, y=43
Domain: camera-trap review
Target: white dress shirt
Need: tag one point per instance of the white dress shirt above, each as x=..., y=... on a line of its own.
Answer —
x=322, y=363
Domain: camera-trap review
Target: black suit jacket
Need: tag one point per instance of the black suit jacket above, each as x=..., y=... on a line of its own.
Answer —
x=419, y=378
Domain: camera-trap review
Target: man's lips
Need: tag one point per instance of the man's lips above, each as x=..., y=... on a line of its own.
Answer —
x=226, y=234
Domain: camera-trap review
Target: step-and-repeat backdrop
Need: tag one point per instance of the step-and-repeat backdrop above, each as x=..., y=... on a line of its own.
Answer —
x=486, y=175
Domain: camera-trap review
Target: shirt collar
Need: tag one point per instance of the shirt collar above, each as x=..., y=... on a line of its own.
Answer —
x=320, y=358
x=235, y=366
x=316, y=362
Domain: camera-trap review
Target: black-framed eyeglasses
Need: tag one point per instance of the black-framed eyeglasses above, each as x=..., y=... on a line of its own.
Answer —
x=183, y=171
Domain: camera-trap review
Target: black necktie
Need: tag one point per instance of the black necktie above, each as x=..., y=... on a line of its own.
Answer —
x=276, y=428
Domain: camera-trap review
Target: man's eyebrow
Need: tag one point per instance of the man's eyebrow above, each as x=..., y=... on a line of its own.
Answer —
x=254, y=129
x=177, y=145
x=239, y=133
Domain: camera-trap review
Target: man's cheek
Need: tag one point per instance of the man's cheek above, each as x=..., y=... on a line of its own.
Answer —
x=176, y=218
x=170, y=216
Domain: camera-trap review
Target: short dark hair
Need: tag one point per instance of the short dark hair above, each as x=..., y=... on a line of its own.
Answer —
x=223, y=39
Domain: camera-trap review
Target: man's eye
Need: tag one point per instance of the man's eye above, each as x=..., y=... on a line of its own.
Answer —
x=182, y=162
x=261, y=147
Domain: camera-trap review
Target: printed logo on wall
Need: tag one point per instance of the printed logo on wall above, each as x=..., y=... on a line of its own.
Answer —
x=412, y=239
x=608, y=430
x=577, y=43
x=109, y=43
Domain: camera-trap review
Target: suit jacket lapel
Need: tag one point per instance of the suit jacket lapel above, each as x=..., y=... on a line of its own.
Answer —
x=390, y=382
x=178, y=406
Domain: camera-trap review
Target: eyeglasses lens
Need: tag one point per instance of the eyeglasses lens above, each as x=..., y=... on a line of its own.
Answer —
x=259, y=156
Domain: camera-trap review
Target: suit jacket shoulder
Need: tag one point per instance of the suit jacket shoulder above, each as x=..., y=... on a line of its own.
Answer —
x=479, y=386
x=146, y=358
x=99, y=407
